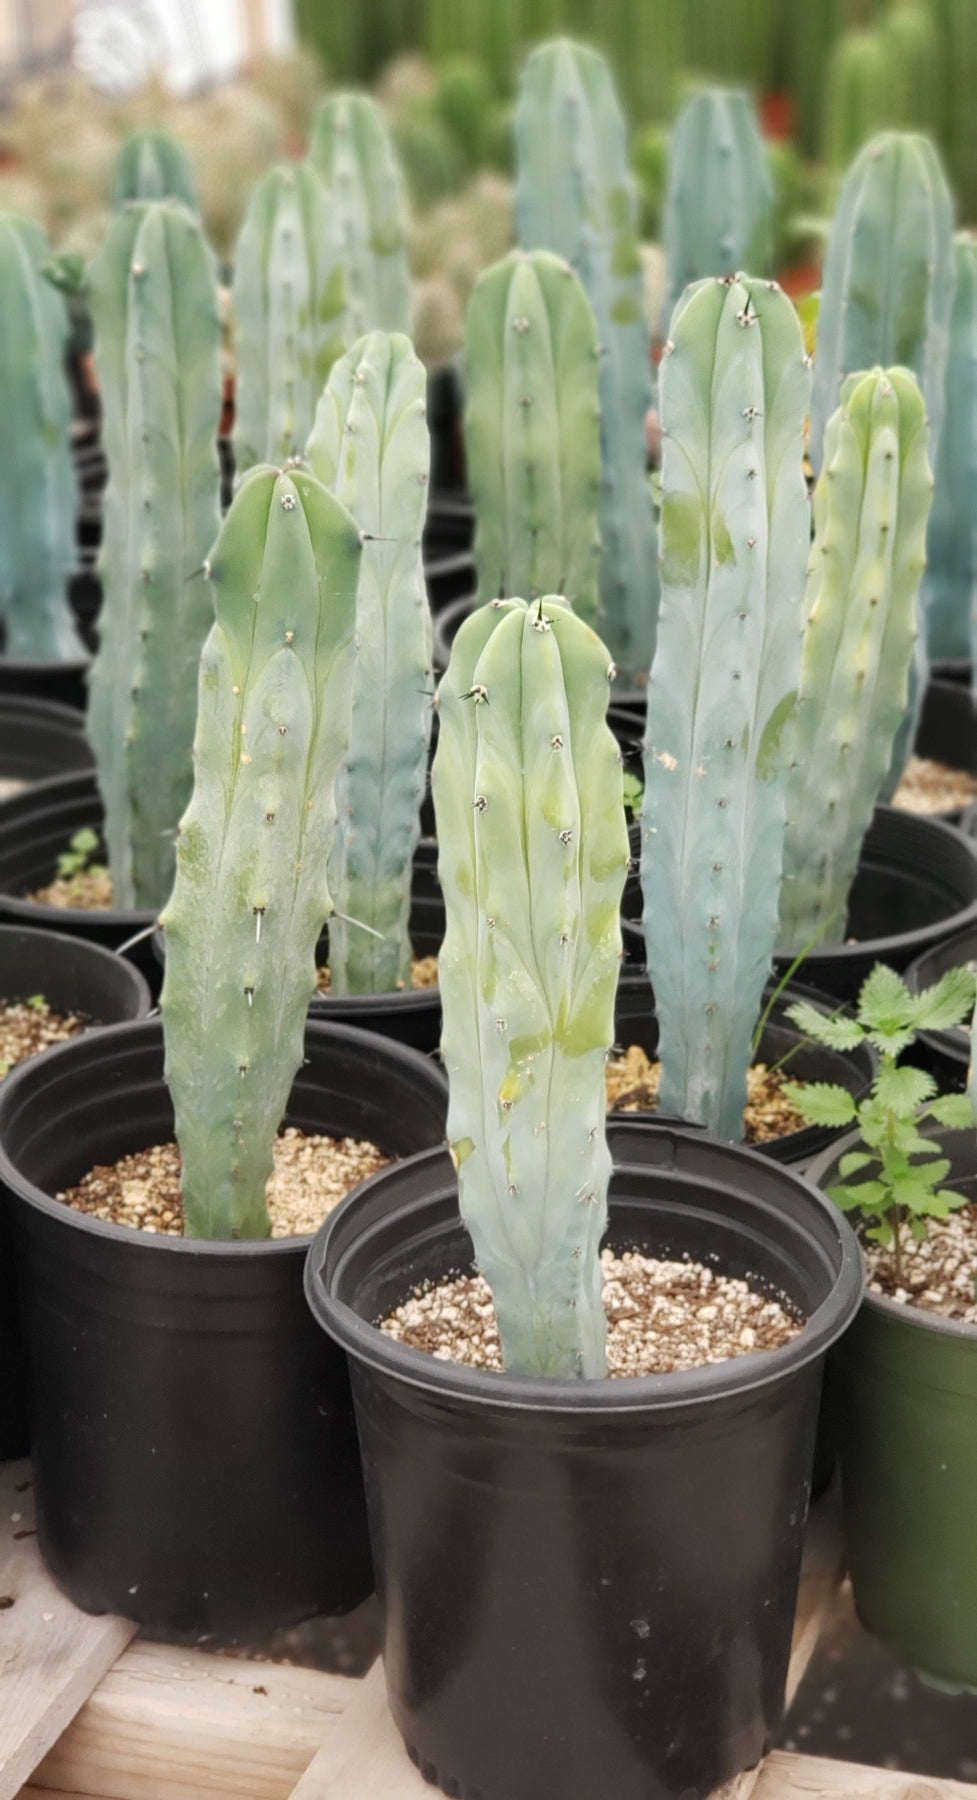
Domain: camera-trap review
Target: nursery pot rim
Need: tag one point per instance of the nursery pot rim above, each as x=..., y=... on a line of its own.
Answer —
x=500, y=1390
x=238, y=1248
x=910, y=1316
x=41, y=911
x=98, y=954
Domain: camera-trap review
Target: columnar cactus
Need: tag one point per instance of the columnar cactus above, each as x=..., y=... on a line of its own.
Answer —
x=888, y=277
x=533, y=854
x=151, y=165
x=352, y=150
x=719, y=207
x=289, y=312
x=370, y=446
x=871, y=506
x=532, y=431
x=575, y=196
x=157, y=339
x=251, y=893
x=735, y=534
x=949, y=592
x=37, y=490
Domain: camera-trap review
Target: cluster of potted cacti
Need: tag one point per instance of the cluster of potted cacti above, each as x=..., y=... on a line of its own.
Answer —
x=551, y=1541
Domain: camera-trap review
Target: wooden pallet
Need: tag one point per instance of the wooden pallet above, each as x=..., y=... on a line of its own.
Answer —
x=86, y=1711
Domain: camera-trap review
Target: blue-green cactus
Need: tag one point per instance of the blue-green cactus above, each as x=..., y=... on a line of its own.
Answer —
x=157, y=348
x=37, y=489
x=735, y=536
x=532, y=431
x=871, y=506
x=949, y=592
x=719, y=206
x=888, y=278
x=251, y=893
x=575, y=196
x=352, y=150
x=532, y=859
x=371, y=447
x=289, y=313
x=151, y=165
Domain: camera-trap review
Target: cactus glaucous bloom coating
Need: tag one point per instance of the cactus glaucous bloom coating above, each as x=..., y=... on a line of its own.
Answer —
x=353, y=151
x=151, y=165
x=157, y=348
x=532, y=432
x=949, y=592
x=719, y=206
x=371, y=447
x=251, y=894
x=871, y=506
x=289, y=313
x=575, y=196
x=37, y=491
x=888, y=278
x=533, y=855
x=735, y=533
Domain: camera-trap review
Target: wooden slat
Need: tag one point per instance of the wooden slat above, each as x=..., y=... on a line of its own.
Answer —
x=788, y=1777
x=172, y=1724
x=51, y=1655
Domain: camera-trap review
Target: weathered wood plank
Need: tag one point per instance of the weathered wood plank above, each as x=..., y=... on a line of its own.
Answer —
x=51, y=1655
x=172, y=1724
x=788, y=1777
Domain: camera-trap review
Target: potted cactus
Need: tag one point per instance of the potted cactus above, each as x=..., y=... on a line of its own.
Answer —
x=42, y=653
x=537, y=1522
x=194, y=1448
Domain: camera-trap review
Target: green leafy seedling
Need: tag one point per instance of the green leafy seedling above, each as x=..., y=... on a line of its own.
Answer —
x=77, y=859
x=37, y=1003
x=902, y=1171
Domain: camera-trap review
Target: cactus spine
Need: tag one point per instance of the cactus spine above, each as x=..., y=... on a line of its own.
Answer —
x=735, y=534
x=532, y=431
x=888, y=278
x=154, y=303
x=370, y=446
x=533, y=853
x=37, y=493
x=871, y=505
x=251, y=893
x=949, y=590
x=290, y=313
x=352, y=150
x=719, y=208
x=151, y=165
x=575, y=196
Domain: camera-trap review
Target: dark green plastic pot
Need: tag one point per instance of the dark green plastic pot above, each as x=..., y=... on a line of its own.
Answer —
x=904, y=1387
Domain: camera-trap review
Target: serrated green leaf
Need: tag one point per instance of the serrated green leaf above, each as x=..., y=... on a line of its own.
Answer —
x=948, y=1002
x=903, y=1090
x=839, y=1033
x=891, y=1041
x=885, y=1003
x=855, y=1160
x=842, y=1198
x=882, y=1233
x=951, y=1199
x=821, y=1102
x=956, y=1111
x=871, y=1196
x=918, y=1229
x=915, y=1192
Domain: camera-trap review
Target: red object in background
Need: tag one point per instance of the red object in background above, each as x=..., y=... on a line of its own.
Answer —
x=800, y=279
x=777, y=114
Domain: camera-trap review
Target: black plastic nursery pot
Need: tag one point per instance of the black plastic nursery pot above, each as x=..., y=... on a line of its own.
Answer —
x=635, y=1022
x=195, y=1458
x=916, y=887
x=74, y=977
x=36, y=826
x=41, y=738
x=588, y=1588
x=948, y=729
x=904, y=1386
x=945, y=1053
x=412, y=1015
x=64, y=682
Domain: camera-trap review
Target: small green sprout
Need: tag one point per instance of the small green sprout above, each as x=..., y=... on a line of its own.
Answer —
x=905, y=1189
x=634, y=791
x=37, y=1002
x=77, y=859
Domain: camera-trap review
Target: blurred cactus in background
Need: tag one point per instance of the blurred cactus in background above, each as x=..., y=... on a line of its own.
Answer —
x=719, y=207
x=151, y=165
x=352, y=151
x=950, y=583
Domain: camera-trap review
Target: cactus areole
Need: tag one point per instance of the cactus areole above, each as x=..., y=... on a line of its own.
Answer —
x=251, y=894
x=533, y=855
